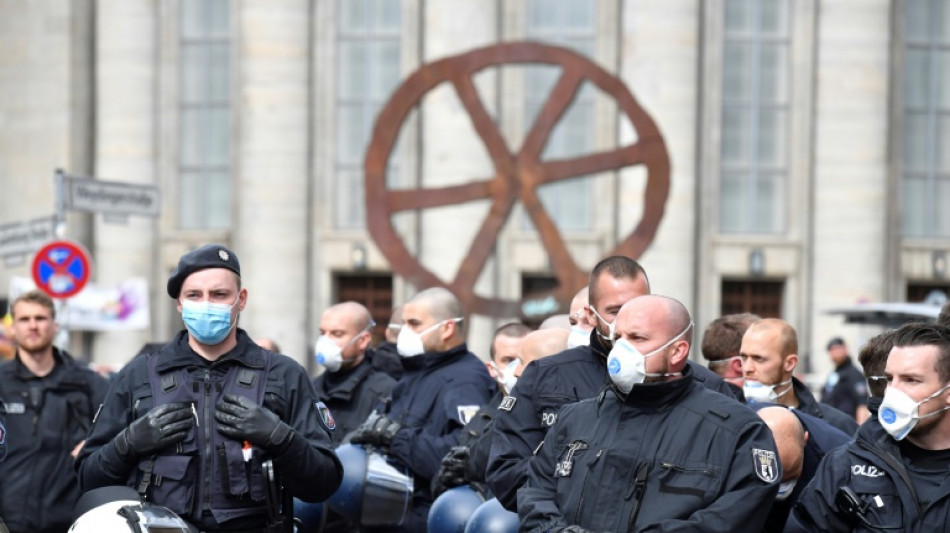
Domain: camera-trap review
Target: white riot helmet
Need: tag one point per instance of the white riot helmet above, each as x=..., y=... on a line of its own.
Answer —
x=121, y=511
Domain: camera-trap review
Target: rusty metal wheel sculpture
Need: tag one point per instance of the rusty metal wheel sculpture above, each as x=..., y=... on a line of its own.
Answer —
x=517, y=176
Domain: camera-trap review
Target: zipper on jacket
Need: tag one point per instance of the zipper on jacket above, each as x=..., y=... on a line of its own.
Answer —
x=580, y=502
x=684, y=470
x=209, y=455
x=639, y=485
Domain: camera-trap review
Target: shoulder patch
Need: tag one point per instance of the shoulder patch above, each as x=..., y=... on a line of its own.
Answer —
x=765, y=464
x=326, y=417
x=466, y=413
x=507, y=403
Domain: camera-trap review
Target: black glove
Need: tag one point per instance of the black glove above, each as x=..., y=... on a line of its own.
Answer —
x=157, y=429
x=378, y=430
x=452, y=473
x=242, y=419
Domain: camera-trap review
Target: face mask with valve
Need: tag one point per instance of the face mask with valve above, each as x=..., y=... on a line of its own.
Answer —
x=899, y=413
x=627, y=366
x=208, y=323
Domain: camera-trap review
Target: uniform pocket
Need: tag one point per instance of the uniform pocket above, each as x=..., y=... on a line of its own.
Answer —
x=173, y=481
x=879, y=496
x=689, y=479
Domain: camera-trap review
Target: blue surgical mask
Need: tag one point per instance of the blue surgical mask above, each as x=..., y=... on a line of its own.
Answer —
x=208, y=323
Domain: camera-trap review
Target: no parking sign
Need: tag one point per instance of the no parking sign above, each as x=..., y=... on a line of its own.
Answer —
x=61, y=269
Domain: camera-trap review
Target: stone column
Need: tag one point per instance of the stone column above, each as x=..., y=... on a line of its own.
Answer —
x=126, y=102
x=272, y=118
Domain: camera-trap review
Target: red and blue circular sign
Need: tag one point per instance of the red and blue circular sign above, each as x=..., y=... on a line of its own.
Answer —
x=61, y=269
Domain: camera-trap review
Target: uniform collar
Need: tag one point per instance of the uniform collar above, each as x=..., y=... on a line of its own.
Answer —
x=342, y=385
x=178, y=354
x=660, y=395
x=22, y=372
x=434, y=359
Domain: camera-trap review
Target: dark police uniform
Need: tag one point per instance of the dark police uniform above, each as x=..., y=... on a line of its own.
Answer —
x=351, y=395
x=438, y=394
x=532, y=407
x=47, y=417
x=808, y=404
x=385, y=358
x=308, y=467
x=846, y=388
x=468, y=465
x=670, y=456
x=822, y=439
x=874, y=468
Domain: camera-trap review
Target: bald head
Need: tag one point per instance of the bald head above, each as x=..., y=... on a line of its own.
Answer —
x=439, y=302
x=556, y=321
x=354, y=313
x=651, y=321
x=541, y=343
x=789, y=436
x=783, y=334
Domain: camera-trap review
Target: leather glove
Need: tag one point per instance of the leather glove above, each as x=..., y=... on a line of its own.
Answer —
x=242, y=419
x=378, y=430
x=452, y=473
x=163, y=426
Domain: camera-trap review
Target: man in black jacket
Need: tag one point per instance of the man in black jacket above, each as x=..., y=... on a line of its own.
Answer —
x=846, y=390
x=194, y=426
x=656, y=451
x=572, y=375
x=893, y=475
x=50, y=399
x=769, y=356
x=350, y=386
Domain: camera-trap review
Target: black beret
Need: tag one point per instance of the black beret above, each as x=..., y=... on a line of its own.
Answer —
x=835, y=341
x=208, y=256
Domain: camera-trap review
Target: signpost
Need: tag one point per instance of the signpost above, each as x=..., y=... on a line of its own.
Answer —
x=61, y=269
x=19, y=239
x=113, y=199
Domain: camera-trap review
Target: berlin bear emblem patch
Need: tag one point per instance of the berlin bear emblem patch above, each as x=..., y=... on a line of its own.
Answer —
x=326, y=416
x=765, y=464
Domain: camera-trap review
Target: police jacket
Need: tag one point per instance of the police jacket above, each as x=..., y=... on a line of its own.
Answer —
x=477, y=435
x=439, y=393
x=871, y=466
x=670, y=456
x=385, y=358
x=532, y=407
x=846, y=388
x=808, y=404
x=822, y=439
x=46, y=417
x=351, y=395
x=201, y=482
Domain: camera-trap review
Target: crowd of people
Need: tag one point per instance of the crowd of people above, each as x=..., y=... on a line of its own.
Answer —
x=596, y=421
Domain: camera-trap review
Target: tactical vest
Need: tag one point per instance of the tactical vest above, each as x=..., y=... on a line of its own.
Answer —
x=207, y=471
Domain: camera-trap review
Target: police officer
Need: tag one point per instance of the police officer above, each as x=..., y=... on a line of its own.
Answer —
x=893, y=476
x=50, y=399
x=195, y=425
x=721, y=343
x=769, y=356
x=873, y=358
x=570, y=376
x=443, y=386
x=803, y=441
x=656, y=450
x=466, y=462
x=350, y=387
x=846, y=390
